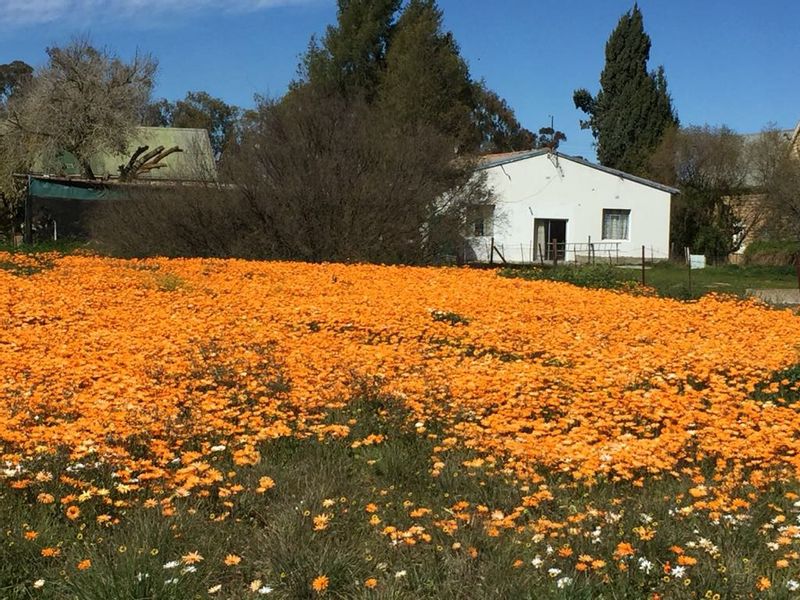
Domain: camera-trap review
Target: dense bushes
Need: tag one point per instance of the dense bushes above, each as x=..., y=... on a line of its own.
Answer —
x=772, y=252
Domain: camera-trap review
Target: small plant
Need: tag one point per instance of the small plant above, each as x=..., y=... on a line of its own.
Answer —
x=591, y=276
x=168, y=282
x=449, y=317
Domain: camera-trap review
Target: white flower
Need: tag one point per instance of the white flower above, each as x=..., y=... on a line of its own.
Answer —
x=554, y=572
x=773, y=546
x=189, y=569
x=215, y=589
x=678, y=572
x=219, y=448
x=265, y=590
x=140, y=576
x=399, y=574
x=171, y=564
x=645, y=565
x=537, y=562
x=38, y=583
x=564, y=582
x=549, y=549
x=173, y=580
x=646, y=518
x=793, y=585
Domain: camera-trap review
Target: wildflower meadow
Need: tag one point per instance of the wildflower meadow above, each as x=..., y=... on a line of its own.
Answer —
x=227, y=429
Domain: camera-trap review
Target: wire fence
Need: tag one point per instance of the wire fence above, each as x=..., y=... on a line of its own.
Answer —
x=554, y=252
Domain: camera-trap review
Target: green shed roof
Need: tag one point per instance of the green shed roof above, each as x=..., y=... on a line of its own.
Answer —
x=195, y=163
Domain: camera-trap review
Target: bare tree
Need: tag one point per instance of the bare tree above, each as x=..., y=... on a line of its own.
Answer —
x=775, y=168
x=84, y=101
x=315, y=177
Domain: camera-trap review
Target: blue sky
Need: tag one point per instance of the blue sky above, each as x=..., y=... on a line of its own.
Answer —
x=731, y=62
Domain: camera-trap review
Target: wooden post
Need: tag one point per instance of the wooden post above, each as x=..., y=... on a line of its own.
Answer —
x=643, y=257
x=689, y=264
x=797, y=268
x=491, y=253
x=27, y=231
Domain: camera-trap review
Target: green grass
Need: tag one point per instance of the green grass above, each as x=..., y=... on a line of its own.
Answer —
x=273, y=532
x=669, y=280
x=61, y=247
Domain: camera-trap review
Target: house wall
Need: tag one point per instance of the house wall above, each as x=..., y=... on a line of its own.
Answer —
x=536, y=188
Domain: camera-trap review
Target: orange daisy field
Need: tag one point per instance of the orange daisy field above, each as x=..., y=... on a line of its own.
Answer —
x=151, y=368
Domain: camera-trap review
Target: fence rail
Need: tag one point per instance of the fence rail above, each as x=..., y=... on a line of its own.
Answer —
x=551, y=253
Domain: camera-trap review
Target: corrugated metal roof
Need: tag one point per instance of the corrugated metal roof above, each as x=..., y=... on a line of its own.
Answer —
x=491, y=161
x=195, y=163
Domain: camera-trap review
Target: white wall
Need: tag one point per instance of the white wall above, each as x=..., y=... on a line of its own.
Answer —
x=535, y=188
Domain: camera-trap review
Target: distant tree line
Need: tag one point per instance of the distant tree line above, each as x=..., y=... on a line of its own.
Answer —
x=732, y=188
x=370, y=155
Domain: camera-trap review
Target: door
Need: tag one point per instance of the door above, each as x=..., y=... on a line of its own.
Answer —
x=547, y=231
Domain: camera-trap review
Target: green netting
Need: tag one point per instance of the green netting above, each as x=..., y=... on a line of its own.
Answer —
x=42, y=188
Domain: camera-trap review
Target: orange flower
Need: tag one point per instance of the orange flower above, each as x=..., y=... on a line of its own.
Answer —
x=73, y=512
x=265, y=483
x=371, y=508
x=84, y=564
x=686, y=560
x=321, y=522
x=51, y=552
x=191, y=558
x=623, y=549
x=31, y=535
x=320, y=584
x=763, y=584
x=232, y=559
x=371, y=583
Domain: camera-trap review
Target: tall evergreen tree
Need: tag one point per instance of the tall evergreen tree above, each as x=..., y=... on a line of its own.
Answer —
x=633, y=109
x=404, y=61
x=352, y=54
x=426, y=81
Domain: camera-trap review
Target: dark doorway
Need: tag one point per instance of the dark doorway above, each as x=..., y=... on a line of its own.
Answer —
x=545, y=232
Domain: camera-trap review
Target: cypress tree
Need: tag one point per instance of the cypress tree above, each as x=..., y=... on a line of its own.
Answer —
x=633, y=109
x=352, y=54
x=426, y=80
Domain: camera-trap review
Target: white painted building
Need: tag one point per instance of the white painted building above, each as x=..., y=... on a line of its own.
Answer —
x=543, y=197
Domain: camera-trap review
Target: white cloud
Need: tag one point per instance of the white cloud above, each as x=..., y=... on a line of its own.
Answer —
x=87, y=12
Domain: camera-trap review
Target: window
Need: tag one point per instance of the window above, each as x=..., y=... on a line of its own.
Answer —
x=616, y=224
x=480, y=220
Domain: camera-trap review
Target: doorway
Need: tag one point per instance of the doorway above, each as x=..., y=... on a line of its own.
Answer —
x=545, y=232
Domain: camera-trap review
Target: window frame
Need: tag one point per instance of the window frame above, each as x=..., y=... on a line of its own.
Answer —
x=617, y=211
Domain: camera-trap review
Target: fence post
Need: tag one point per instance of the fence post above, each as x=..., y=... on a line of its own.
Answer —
x=27, y=228
x=555, y=253
x=491, y=254
x=541, y=254
x=797, y=268
x=643, y=257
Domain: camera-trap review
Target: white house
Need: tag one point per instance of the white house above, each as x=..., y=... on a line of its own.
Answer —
x=543, y=197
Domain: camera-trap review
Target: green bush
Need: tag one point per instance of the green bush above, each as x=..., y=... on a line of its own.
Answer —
x=772, y=252
x=591, y=276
